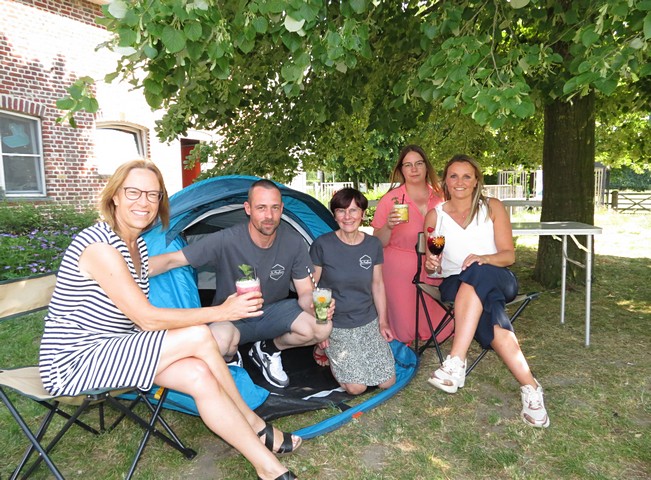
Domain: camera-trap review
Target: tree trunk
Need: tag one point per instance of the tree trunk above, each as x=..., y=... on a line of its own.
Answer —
x=568, y=173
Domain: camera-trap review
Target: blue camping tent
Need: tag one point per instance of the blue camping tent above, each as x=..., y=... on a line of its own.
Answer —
x=217, y=203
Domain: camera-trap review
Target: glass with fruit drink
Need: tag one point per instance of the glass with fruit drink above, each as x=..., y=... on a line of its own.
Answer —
x=435, y=244
x=403, y=211
x=321, y=298
x=249, y=282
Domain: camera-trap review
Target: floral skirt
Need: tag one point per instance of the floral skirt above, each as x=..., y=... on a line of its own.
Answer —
x=360, y=355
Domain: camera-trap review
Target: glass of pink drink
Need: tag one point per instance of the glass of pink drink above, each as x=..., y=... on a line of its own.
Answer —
x=247, y=285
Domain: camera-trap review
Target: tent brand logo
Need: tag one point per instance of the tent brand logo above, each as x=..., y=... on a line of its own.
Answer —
x=277, y=271
x=365, y=262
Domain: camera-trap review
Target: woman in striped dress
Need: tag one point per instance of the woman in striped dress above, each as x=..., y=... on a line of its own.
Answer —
x=102, y=332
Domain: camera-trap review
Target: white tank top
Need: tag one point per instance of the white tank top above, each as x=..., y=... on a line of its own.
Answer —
x=478, y=238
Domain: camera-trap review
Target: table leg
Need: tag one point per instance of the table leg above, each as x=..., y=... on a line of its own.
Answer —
x=588, y=286
x=563, y=275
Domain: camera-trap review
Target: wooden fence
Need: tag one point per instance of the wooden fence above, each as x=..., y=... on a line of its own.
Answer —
x=630, y=202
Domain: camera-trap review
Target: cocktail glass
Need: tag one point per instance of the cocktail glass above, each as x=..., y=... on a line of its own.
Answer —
x=244, y=285
x=321, y=298
x=403, y=210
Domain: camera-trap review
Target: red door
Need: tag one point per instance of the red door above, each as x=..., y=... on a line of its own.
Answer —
x=188, y=174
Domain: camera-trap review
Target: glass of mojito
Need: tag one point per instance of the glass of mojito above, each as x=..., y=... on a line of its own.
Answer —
x=321, y=298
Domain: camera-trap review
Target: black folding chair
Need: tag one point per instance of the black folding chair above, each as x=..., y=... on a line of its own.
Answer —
x=26, y=381
x=422, y=289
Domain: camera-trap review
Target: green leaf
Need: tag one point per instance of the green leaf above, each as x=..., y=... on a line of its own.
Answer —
x=637, y=43
x=65, y=103
x=519, y=3
x=358, y=6
x=150, y=52
x=292, y=24
x=260, y=24
x=127, y=37
x=76, y=91
x=430, y=30
x=607, y=86
x=173, y=39
x=91, y=105
x=524, y=109
x=647, y=26
x=109, y=77
x=589, y=36
x=195, y=50
x=449, y=103
x=118, y=8
x=275, y=6
x=193, y=31
x=153, y=85
x=153, y=100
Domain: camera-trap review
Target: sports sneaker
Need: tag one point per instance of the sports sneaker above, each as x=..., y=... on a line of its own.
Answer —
x=236, y=361
x=533, y=406
x=271, y=366
x=450, y=376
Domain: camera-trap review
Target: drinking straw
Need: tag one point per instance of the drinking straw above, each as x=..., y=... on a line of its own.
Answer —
x=403, y=198
x=311, y=277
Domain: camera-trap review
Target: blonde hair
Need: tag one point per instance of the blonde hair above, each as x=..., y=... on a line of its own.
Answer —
x=478, y=197
x=397, y=177
x=107, y=206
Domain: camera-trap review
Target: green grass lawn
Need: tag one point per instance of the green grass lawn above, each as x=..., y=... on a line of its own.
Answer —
x=598, y=399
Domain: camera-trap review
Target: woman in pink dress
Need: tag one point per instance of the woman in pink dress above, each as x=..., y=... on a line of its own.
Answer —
x=418, y=187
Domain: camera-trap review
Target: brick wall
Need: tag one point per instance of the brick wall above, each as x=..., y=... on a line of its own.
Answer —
x=45, y=45
x=36, y=43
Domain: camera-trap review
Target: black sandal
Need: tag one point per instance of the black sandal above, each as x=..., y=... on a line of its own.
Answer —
x=285, y=476
x=286, y=447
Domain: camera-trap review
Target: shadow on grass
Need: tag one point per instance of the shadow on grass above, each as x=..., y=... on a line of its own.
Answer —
x=597, y=398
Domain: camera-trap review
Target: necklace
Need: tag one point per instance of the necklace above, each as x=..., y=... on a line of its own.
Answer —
x=343, y=238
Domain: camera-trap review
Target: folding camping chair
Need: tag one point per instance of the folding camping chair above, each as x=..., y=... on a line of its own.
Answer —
x=26, y=381
x=422, y=289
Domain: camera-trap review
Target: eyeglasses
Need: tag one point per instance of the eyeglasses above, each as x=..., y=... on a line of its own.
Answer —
x=353, y=212
x=418, y=164
x=132, y=193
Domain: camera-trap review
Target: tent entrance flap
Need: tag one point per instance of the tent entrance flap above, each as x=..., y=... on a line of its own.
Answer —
x=217, y=203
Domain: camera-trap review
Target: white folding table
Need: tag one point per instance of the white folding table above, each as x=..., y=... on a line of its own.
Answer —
x=560, y=231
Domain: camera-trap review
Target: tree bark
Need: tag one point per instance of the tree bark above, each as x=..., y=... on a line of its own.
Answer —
x=568, y=175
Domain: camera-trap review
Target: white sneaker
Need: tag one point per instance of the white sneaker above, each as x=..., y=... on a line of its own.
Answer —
x=533, y=406
x=236, y=361
x=451, y=376
x=271, y=366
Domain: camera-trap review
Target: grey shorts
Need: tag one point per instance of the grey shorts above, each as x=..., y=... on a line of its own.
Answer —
x=276, y=320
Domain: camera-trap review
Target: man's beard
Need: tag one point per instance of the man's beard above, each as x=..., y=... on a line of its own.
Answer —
x=268, y=228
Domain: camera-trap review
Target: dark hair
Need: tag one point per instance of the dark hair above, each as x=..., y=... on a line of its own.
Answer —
x=107, y=206
x=478, y=197
x=263, y=183
x=397, y=178
x=344, y=197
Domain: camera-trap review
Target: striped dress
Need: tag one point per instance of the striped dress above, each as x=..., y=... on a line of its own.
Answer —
x=88, y=343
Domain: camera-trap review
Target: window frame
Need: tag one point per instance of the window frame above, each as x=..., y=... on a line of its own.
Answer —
x=41, y=192
x=139, y=132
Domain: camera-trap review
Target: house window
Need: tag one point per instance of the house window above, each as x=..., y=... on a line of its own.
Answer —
x=116, y=144
x=21, y=156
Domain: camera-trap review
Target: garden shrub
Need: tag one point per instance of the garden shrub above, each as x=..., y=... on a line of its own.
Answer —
x=34, y=238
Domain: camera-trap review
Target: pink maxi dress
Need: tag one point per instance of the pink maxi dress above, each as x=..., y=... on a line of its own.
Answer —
x=400, y=267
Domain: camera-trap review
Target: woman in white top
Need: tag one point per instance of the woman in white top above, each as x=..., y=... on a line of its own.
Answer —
x=478, y=250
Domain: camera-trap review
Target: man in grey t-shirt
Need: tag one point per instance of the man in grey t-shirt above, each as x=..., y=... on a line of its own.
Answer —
x=280, y=258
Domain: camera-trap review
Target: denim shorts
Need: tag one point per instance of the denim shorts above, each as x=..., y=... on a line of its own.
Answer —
x=276, y=321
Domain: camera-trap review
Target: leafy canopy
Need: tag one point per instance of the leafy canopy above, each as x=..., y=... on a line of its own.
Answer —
x=342, y=83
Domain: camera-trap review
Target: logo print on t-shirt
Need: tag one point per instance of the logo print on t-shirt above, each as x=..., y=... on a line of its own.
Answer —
x=365, y=262
x=277, y=271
